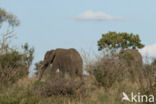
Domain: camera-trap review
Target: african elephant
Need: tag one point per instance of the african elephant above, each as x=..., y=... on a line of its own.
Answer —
x=132, y=61
x=131, y=57
x=66, y=60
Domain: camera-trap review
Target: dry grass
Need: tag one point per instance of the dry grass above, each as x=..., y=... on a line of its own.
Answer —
x=116, y=78
x=25, y=82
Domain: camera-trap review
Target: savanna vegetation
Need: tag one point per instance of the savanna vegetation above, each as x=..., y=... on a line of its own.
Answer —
x=109, y=74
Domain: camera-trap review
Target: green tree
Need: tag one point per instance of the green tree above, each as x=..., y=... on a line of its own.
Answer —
x=114, y=40
x=8, y=17
x=27, y=54
x=14, y=63
x=7, y=30
x=38, y=66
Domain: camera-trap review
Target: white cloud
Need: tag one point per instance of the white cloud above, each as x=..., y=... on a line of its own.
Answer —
x=149, y=51
x=98, y=16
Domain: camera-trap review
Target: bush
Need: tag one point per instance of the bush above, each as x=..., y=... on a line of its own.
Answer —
x=9, y=100
x=61, y=87
x=149, y=79
x=113, y=68
x=108, y=71
x=15, y=65
x=30, y=100
x=11, y=67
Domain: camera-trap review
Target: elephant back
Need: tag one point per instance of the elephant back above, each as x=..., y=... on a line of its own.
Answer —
x=132, y=56
x=69, y=55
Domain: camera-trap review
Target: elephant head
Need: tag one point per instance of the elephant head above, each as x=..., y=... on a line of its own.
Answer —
x=48, y=59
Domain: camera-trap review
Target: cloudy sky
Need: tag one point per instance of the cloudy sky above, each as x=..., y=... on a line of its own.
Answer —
x=50, y=24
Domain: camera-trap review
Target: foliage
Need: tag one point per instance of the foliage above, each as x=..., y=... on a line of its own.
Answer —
x=47, y=72
x=115, y=80
x=27, y=54
x=30, y=100
x=7, y=23
x=61, y=87
x=38, y=66
x=15, y=64
x=32, y=91
x=150, y=75
x=8, y=17
x=154, y=62
x=9, y=100
x=109, y=75
x=113, y=40
x=107, y=71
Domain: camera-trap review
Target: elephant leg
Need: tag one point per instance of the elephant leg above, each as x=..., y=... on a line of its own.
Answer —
x=72, y=74
x=61, y=73
x=43, y=68
x=53, y=70
x=79, y=73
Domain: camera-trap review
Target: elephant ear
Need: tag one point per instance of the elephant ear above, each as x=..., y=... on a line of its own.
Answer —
x=49, y=57
x=46, y=56
x=52, y=56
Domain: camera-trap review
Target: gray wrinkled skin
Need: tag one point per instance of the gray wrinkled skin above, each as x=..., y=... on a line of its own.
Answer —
x=66, y=60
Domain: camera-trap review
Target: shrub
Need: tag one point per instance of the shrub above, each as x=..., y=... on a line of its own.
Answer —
x=30, y=100
x=15, y=64
x=62, y=87
x=149, y=79
x=117, y=67
x=9, y=100
x=11, y=67
x=107, y=71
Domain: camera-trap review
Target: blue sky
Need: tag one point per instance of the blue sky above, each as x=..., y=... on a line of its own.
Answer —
x=50, y=24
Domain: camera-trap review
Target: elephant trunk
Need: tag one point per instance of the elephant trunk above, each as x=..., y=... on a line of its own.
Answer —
x=43, y=68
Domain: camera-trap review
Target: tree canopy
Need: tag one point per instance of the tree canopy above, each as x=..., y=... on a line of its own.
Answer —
x=14, y=63
x=8, y=17
x=114, y=40
x=7, y=23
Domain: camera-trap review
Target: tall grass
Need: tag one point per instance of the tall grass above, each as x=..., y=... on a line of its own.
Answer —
x=108, y=76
